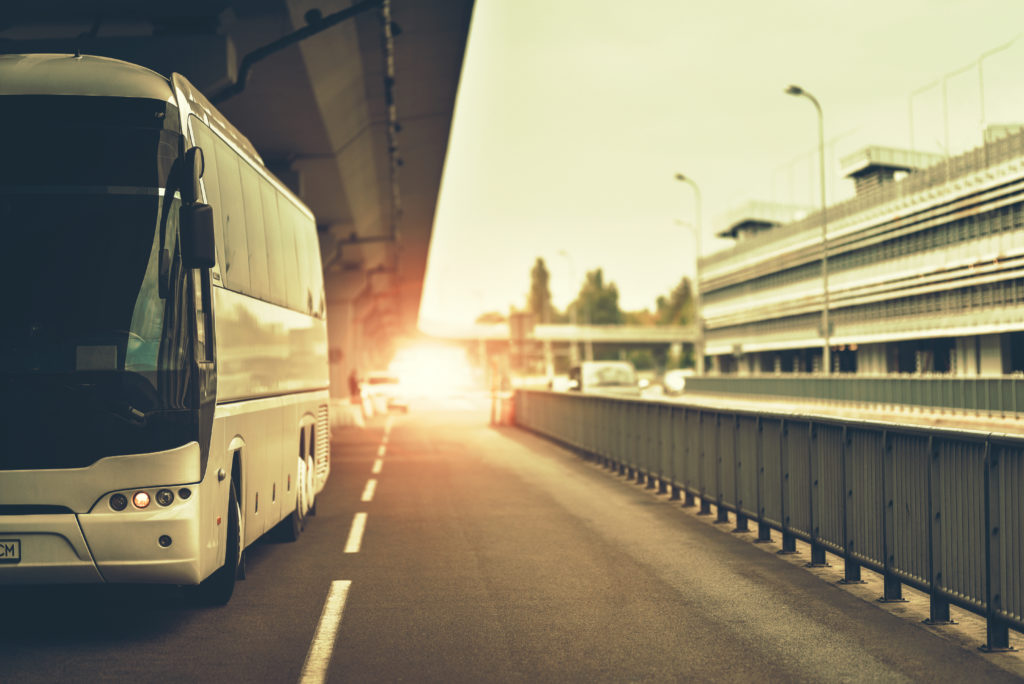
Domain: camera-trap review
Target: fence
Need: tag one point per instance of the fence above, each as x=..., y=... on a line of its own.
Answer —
x=1001, y=395
x=938, y=510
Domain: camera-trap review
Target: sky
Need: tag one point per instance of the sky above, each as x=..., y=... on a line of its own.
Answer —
x=574, y=116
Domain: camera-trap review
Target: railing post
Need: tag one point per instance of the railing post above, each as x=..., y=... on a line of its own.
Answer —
x=851, y=568
x=688, y=498
x=653, y=444
x=673, y=433
x=938, y=606
x=705, y=504
x=764, y=530
x=892, y=588
x=997, y=633
x=788, y=540
x=663, y=443
x=814, y=504
x=741, y=518
x=721, y=511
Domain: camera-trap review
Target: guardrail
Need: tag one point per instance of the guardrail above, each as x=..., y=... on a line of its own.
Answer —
x=1001, y=395
x=936, y=509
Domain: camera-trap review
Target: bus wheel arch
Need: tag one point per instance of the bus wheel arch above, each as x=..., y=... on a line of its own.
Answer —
x=216, y=590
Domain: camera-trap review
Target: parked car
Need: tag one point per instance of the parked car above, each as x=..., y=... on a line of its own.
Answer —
x=674, y=381
x=605, y=377
x=385, y=392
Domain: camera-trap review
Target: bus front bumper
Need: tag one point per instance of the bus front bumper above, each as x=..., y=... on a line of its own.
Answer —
x=125, y=547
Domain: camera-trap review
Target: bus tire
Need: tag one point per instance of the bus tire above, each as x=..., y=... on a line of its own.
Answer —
x=311, y=486
x=291, y=526
x=290, y=529
x=216, y=589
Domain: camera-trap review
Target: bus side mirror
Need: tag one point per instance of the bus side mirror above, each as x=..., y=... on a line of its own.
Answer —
x=198, y=249
x=195, y=165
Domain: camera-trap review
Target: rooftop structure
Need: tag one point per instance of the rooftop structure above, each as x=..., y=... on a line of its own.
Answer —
x=758, y=216
x=872, y=166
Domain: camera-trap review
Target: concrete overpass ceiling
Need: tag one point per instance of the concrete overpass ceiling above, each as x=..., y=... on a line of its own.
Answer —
x=318, y=111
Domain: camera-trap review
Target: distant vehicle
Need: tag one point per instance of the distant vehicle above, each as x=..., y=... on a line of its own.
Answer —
x=559, y=383
x=674, y=381
x=605, y=377
x=385, y=391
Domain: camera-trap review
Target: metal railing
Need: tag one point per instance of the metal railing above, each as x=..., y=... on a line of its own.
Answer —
x=1001, y=395
x=938, y=510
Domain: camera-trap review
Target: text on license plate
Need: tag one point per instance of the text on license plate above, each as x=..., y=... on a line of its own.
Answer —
x=10, y=550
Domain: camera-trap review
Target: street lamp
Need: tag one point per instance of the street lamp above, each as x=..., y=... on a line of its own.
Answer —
x=797, y=91
x=697, y=310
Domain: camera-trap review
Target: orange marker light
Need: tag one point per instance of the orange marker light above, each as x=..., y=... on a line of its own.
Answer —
x=140, y=499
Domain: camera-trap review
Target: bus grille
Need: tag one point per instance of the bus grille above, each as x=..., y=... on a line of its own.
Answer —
x=323, y=444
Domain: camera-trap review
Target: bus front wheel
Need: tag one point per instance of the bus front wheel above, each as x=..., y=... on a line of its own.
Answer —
x=216, y=589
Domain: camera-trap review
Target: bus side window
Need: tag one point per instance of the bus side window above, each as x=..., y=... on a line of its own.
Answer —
x=259, y=281
x=286, y=213
x=272, y=234
x=315, y=277
x=236, y=249
x=301, y=237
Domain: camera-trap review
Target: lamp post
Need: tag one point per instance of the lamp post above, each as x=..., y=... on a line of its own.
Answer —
x=797, y=91
x=697, y=310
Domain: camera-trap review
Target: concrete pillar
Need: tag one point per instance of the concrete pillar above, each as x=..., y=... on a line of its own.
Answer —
x=341, y=342
x=675, y=354
x=871, y=359
x=574, y=354
x=965, y=356
x=991, y=354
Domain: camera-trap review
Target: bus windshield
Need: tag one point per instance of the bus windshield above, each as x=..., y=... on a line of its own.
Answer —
x=86, y=334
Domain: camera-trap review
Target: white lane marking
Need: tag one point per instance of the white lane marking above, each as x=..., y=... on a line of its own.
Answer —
x=377, y=465
x=355, y=534
x=384, y=439
x=380, y=451
x=368, y=490
x=314, y=670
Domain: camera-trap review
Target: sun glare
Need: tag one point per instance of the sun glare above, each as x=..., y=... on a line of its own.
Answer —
x=432, y=370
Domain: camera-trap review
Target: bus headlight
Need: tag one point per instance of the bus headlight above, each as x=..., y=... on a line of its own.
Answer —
x=140, y=499
x=118, y=502
x=165, y=497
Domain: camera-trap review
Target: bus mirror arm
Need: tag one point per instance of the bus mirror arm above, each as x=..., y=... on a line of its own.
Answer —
x=164, y=275
x=197, y=246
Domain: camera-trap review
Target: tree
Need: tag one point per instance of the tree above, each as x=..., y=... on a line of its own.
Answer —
x=598, y=303
x=538, y=302
x=678, y=307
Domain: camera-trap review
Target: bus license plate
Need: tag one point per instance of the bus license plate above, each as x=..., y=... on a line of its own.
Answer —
x=10, y=550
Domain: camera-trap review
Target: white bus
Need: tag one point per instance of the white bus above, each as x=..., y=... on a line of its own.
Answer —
x=163, y=364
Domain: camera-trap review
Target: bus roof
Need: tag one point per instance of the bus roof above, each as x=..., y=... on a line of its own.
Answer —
x=63, y=74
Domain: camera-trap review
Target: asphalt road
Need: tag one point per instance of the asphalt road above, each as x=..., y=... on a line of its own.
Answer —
x=487, y=554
